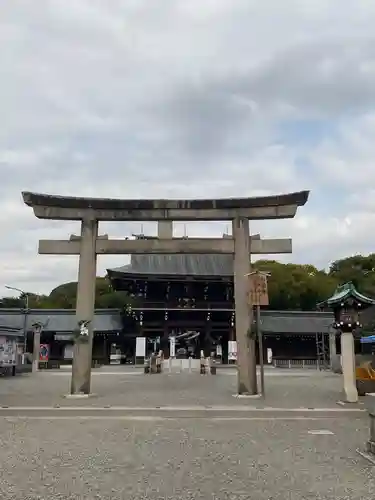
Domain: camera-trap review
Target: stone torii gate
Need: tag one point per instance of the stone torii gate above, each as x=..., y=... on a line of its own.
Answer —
x=89, y=244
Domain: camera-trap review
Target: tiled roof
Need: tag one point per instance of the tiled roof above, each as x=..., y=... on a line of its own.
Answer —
x=8, y=331
x=177, y=265
x=344, y=292
x=283, y=322
x=59, y=320
x=296, y=322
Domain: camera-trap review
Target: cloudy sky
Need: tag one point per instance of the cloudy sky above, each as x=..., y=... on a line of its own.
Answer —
x=177, y=98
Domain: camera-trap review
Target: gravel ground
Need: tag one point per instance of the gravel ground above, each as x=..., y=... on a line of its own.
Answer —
x=183, y=460
x=100, y=454
x=317, y=390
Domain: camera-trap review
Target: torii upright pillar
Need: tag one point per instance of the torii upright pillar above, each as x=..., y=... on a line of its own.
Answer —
x=82, y=358
x=246, y=360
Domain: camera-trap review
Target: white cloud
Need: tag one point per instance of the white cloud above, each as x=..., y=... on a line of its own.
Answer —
x=186, y=99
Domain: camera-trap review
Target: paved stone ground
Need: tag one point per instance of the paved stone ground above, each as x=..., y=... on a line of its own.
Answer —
x=87, y=453
x=316, y=390
x=113, y=459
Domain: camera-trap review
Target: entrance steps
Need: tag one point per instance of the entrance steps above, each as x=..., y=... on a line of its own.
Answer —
x=190, y=365
x=173, y=365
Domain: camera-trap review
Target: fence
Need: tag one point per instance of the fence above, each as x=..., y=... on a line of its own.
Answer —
x=298, y=363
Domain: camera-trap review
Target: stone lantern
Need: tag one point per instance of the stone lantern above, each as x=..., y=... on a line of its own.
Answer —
x=347, y=304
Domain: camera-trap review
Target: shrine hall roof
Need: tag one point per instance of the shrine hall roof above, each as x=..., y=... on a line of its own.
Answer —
x=56, y=320
x=109, y=320
x=343, y=293
x=206, y=265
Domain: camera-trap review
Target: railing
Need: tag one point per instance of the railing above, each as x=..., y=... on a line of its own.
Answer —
x=182, y=305
x=297, y=363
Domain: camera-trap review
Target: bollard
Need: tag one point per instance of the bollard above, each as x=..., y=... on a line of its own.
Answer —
x=146, y=365
x=203, y=366
x=208, y=365
x=159, y=362
x=152, y=363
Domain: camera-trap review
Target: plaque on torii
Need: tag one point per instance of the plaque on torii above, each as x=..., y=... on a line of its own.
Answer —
x=258, y=289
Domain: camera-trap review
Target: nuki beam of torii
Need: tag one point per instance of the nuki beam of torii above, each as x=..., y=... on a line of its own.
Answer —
x=106, y=246
x=89, y=244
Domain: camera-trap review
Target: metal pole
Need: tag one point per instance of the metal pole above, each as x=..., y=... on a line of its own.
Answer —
x=260, y=344
x=26, y=312
x=36, y=350
x=317, y=351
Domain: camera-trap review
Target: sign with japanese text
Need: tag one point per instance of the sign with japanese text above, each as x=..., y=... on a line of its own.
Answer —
x=258, y=294
x=232, y=350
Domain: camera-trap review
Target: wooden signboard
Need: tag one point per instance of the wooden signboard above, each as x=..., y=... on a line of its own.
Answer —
x=258, y=294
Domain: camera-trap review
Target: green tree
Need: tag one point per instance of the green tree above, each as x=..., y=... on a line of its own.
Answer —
x=294, y=286
x=358, y=269
x=10, y=302
x=105, y=297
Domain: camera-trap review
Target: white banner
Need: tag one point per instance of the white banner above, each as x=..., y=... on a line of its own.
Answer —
x=232, y=350
x=172, y=347
x=269, y=355
x=140, y=347
x=68, y=351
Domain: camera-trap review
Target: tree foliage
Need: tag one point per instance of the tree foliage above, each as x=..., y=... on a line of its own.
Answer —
x=294, y=286
x=358, y=269
x=64, y=297
x=291, y=286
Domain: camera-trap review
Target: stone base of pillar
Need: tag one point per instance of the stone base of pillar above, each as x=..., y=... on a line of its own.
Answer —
x=247, y=396
x=349, y=395
x=80, y=396
x=370, y=447
x=140, y=360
